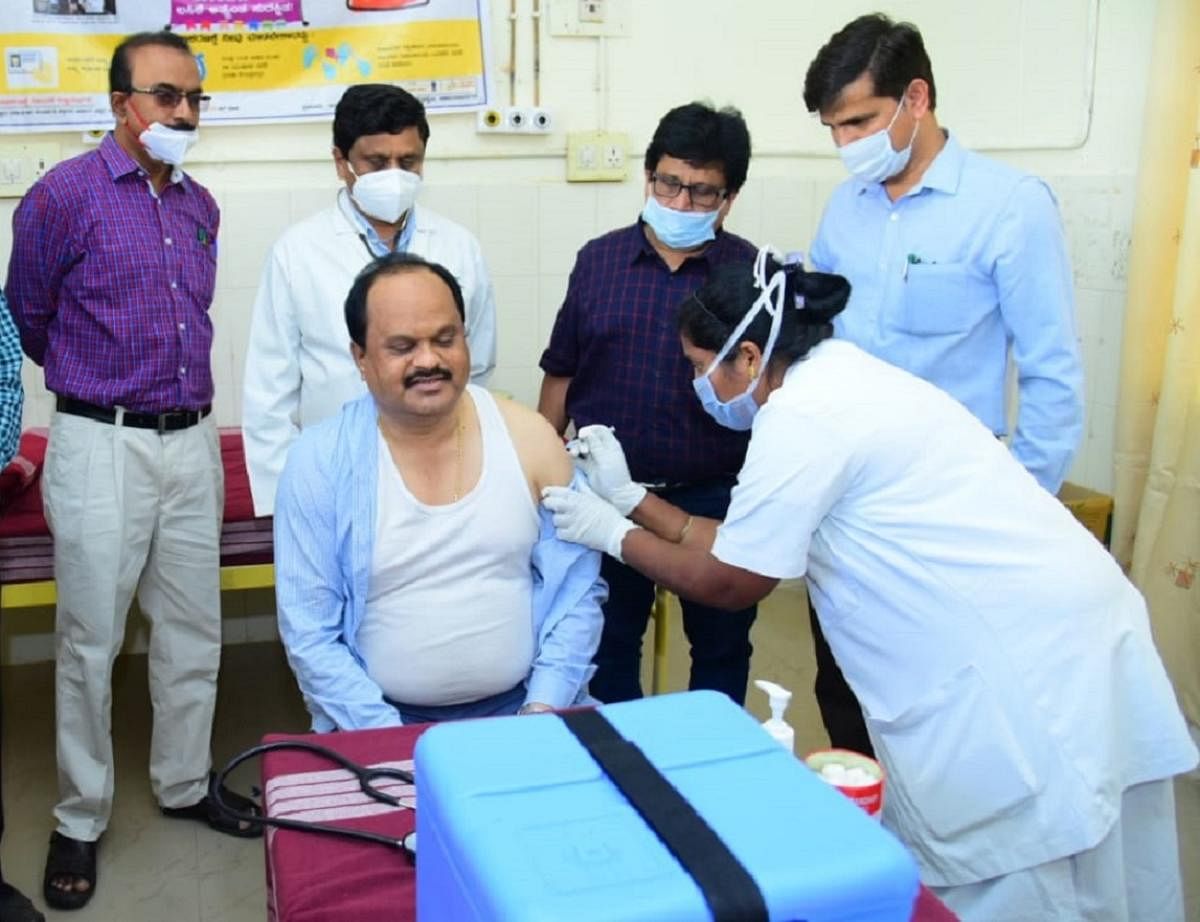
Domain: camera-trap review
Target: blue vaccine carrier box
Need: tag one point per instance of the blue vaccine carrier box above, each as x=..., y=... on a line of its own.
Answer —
x=516, y=822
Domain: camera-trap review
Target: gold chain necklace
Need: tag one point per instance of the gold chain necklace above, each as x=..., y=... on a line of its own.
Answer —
x=458, y=458
x=458, y=452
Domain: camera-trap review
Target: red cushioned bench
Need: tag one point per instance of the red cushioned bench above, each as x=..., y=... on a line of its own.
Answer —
x=27, y=549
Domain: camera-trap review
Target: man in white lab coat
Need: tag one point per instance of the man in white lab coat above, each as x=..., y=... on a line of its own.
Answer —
x=299, y=370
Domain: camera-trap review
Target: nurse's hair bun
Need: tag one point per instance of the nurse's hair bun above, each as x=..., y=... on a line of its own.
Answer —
x=817, y=296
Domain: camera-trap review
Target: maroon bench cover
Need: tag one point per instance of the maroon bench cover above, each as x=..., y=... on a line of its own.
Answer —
x=27, y=549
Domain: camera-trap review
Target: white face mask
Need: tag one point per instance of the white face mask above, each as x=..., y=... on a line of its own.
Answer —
x=872, y=159
x=168, y=145
x=385, y=195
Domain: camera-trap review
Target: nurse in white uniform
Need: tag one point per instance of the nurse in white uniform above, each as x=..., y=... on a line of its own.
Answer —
x=1004, y=663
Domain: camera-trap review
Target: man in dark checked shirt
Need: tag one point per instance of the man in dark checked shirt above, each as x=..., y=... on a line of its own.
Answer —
x=110, y=283
x=614, y=359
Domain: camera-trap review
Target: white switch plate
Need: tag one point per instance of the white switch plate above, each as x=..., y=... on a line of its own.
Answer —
x=592, y=10
x=597, y=156
x=21, y=165
x=587, y=17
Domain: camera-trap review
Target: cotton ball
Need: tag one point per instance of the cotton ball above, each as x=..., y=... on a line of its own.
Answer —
x=858, y=777
x=833, y=772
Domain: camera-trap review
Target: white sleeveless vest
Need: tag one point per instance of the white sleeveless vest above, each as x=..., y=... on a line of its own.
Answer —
x=449, y=615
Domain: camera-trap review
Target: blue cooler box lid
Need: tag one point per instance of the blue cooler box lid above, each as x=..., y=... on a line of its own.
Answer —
x=517, y=822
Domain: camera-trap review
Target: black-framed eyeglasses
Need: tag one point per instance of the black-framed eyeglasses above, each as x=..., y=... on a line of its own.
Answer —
x=701, y=194
x=169, y=97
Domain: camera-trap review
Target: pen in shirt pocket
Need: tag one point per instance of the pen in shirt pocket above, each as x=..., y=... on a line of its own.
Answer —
x=912, y=260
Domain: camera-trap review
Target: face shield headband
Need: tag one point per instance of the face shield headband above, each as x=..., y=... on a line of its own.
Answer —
x=738, y=413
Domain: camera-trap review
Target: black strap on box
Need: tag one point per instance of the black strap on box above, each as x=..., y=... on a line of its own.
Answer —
x=730, y=892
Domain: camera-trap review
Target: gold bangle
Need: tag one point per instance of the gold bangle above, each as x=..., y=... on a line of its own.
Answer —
x=683, y=531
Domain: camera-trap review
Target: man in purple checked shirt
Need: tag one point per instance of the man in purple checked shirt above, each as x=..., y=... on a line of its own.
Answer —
x=111, y=279
x=614, y=359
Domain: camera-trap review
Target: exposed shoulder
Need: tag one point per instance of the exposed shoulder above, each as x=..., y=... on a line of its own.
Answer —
x=539, y=448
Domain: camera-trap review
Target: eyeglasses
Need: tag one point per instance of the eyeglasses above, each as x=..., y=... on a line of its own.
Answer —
x=701, y=193
x=169, y=98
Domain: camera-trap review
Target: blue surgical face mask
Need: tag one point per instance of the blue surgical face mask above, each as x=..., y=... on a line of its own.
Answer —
x=680, y=230
x=738, y=413
x=872, y=159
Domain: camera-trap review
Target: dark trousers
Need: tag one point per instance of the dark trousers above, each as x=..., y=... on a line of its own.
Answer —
x=503, y=704
x=720, y=640
x=840, y=710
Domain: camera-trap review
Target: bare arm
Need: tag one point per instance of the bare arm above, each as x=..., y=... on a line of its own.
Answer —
x=541, y=453
x=552, y=401
x=670, y=523
x=568, y=639
x=689, y=570
x=674, y=549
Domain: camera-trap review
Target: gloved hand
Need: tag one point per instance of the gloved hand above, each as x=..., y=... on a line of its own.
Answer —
x=587, y=519
x=600, y=457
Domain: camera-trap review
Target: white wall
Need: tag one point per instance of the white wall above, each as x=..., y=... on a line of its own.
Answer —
x=512, y=191
x=1004, y=85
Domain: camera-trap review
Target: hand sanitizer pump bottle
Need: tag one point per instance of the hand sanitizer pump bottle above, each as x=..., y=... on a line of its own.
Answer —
x=776, y=726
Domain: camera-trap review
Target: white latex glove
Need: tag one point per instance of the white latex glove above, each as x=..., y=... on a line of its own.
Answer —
x=600, y=456
x=586, y=519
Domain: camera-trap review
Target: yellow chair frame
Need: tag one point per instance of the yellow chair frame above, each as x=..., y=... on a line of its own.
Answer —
x=660, y=613
x=44, y=592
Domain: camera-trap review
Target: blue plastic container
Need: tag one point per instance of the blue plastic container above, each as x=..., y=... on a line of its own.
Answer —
x=517, y=823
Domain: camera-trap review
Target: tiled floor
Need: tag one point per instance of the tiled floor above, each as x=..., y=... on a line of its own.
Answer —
x=157, y=870
x=151, y=868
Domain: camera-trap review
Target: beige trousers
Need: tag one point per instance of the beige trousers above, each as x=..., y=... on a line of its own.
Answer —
x=133, y=510
x=1131, y=876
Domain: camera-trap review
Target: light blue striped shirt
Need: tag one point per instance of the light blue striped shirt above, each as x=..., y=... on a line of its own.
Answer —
x=370, y=237
x=968, y=263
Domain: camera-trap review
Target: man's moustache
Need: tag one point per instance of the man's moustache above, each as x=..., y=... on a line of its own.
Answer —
x=433, y=374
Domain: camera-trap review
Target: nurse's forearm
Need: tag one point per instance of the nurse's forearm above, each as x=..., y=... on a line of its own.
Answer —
x=692, y=572
x=672, y=524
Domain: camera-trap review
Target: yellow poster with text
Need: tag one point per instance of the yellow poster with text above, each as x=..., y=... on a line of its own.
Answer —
x=248, y=61
x=256, y=72
x=235, y=62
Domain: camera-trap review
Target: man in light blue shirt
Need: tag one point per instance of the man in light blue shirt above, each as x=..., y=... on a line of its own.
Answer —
x=953, y=259
x=418, y=579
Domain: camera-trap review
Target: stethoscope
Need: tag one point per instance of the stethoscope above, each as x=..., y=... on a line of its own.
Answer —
x=371, y=254
x=366, y=776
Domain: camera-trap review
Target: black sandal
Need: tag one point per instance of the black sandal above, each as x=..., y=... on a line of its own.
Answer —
x=206, y=811
x=73, y=859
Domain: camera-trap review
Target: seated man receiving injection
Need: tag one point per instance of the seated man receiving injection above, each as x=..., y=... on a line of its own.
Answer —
x=417, y=578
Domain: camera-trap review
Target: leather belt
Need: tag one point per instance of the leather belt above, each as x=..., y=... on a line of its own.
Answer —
x=162, y=422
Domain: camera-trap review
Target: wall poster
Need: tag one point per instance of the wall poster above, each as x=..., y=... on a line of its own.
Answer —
x=261, y=60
